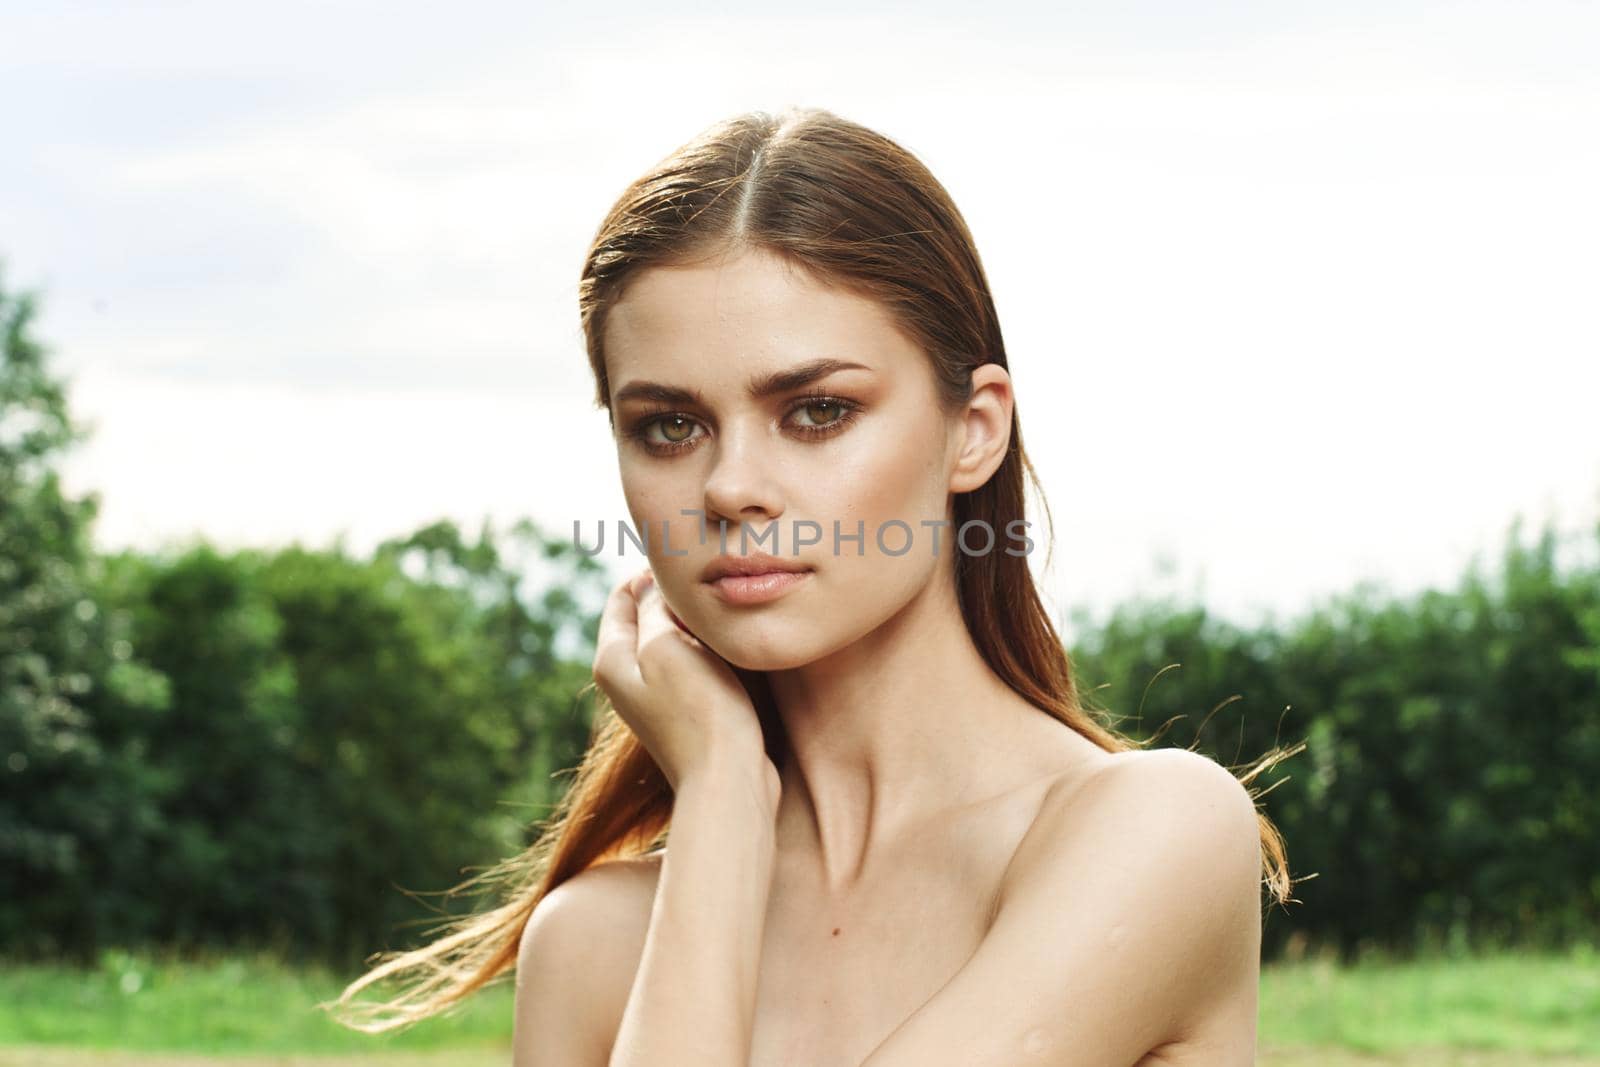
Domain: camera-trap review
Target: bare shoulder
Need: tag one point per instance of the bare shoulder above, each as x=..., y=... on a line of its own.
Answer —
x=1162, y=787
x=1188, y=774
x=1126, y=930
x=576, y=961
x=1166, y=845
x=1168, y=811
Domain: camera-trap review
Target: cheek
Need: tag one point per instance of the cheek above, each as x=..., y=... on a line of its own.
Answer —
x=657, y=492
x=898, y=475
x=642, y=498
x=894, y=484
x=654, y=499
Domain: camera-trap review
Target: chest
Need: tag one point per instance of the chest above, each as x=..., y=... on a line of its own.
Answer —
x=829, y=999
x=838, y=976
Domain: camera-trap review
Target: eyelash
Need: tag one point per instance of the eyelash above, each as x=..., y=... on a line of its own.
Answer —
x=848, y=410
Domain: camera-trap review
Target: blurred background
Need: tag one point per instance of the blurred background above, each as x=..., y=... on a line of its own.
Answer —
x=295, y=422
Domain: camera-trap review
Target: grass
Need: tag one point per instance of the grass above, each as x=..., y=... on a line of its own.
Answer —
x=253, y=1011
x=1524, y=1003
x=224, y=1004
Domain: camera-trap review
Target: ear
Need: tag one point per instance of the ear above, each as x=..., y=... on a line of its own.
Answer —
x=985, y=429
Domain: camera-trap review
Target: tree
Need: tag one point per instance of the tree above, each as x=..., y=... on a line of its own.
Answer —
x=73, y=700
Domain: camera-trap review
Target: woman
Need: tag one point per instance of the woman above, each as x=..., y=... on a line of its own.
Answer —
x=898, y=838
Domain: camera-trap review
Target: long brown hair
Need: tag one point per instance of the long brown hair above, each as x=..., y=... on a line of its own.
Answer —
x=857, y=210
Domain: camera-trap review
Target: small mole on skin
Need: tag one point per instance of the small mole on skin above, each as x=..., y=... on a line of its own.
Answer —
x=835, y=931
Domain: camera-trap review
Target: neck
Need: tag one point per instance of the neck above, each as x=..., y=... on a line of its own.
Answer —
x=894, y=729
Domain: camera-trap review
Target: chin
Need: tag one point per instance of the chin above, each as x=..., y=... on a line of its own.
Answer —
x=764, y=646
x=778, y=644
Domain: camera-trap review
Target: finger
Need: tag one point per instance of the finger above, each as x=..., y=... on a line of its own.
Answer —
x=645, y=581
x=659, y=626
x=654, y=618
x=617, y=641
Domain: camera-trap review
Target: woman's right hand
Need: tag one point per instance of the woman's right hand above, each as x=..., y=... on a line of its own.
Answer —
x=682, y=700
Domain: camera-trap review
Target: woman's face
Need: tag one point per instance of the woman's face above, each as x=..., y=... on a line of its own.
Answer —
x=864, y=444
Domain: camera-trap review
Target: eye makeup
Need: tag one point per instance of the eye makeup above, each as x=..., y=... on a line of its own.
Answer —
x=642, y=429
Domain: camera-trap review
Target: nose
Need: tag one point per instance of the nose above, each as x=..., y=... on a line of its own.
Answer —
x=742, y=486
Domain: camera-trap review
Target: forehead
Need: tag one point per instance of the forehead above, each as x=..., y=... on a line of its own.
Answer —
x=744, y=314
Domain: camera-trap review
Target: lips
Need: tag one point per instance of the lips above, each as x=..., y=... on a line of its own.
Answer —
x=756, y=563
x=746, y=581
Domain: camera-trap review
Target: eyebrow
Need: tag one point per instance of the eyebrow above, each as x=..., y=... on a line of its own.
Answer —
x=759, y=389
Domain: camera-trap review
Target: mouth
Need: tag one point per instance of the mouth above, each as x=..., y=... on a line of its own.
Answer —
x=736, y=580
x=757, y=588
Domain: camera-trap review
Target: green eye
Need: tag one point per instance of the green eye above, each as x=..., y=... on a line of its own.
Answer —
x=668, y=429
x=835, y=414
x=826, y=405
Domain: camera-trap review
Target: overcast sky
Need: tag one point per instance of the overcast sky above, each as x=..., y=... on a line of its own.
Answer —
x=1293, y=296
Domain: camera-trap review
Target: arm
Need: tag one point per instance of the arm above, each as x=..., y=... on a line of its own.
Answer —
x=693, y=998
x=575, y=962
x=1128, y=911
